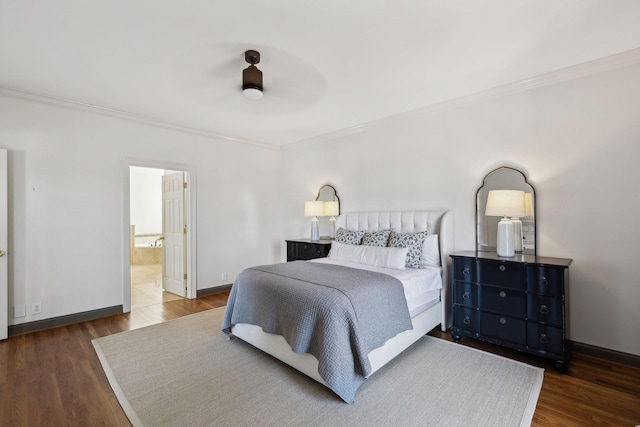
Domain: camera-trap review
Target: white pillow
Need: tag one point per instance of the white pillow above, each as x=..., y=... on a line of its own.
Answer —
x=430, y=251
x=369, y=255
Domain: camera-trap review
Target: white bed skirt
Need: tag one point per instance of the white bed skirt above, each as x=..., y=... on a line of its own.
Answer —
x=308, y=364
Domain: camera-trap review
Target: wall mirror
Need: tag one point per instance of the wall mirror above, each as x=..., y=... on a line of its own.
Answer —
x=326, y=204
x=505, y=178
x=328, y=193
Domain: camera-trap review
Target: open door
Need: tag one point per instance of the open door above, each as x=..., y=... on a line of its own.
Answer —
x=174, y=232
x=4, y=264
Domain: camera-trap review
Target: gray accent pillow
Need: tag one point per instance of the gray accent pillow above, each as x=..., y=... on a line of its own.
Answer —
x=413, y=241
x=376, y=238
x=349, y=237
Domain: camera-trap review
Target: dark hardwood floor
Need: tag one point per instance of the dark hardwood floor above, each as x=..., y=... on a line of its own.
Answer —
x=54, y=378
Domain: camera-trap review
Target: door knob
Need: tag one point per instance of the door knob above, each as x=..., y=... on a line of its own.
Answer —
x=2, y=253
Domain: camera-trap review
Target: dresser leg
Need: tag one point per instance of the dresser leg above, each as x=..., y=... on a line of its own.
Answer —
x=456, y=336
x=561, y=366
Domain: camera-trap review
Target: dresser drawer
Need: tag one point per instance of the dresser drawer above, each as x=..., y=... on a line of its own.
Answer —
x=467, y=319
x=467, y=294
x=464, y=269
x=545, y=280
x=507, y=301
x=501, y=273
x=504, y=328
x=545, y=309
x=545, y=338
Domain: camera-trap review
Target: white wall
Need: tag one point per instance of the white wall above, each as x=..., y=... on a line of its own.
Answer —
x=66, y=219
x=577, y=141
x=146, y=200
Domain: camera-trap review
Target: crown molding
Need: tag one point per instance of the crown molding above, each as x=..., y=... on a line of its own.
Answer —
x=612, y=62
x=597, y=66
x=111, y=112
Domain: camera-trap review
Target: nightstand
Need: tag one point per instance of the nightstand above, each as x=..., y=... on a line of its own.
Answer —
x=520, y=302
x=305, y=249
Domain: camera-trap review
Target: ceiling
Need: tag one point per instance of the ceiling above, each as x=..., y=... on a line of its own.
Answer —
x=328, y=66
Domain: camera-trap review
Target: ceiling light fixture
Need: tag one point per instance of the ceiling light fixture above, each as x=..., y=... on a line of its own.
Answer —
x=251, y=76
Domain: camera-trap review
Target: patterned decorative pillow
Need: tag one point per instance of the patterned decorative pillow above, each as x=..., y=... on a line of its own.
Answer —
x=349, y=237
x=376, y=238
x=413, y=241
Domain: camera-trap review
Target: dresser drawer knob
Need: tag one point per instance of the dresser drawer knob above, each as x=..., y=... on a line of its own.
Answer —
x=502, y=267
x=466, y=271
x=503, y=321
x=503, y=294
x=466, y=320
x=466, y=295
x=544, y=281
x=544, y=338
x=544, y=309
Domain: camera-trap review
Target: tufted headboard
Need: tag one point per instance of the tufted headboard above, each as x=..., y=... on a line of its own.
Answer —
x=434, y=222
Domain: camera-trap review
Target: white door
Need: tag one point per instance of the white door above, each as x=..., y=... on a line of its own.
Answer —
x=4, y=282
x=174, y=233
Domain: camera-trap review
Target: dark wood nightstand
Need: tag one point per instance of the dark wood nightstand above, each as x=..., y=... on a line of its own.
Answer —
x=520, y=302
x=305, y=249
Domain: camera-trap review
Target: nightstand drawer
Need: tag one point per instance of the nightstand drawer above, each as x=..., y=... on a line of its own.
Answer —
x=507, y=301
x=545, y=309
x=306, y=250
x=545, y=338
x=504, y=328
x=545, y=280
x=467, y=294
x=501, y=273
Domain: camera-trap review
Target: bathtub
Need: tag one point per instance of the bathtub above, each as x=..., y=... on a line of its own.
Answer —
x=145, y=248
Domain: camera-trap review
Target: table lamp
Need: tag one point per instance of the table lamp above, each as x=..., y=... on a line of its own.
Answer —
x=506, y=204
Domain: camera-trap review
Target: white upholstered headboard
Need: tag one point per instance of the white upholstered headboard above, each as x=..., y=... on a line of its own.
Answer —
x=434, y=222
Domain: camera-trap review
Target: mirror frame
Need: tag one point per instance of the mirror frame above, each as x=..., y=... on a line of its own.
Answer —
x=334, y=196
x=520, y=183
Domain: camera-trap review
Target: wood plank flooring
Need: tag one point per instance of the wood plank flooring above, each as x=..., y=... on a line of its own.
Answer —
x=54, y=378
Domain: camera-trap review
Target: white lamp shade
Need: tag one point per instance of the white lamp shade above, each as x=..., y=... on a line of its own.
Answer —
x=508, y=203
x=331, y=209
x=528, y=204
x=314, y=208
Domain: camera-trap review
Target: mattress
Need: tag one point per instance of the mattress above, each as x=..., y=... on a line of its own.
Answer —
x=421, y=285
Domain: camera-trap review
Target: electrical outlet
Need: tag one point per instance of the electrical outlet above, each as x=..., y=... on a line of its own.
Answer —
x=224, y=276
x=19, y=310
x=36, y=308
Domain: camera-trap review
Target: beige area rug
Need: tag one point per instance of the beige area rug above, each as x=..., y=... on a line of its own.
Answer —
x=185, y=373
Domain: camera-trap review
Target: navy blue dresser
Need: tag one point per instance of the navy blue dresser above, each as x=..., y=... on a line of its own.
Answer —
x=519, y=302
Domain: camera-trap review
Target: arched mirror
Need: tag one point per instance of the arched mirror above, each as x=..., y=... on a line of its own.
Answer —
x=326, y=204
x=505, y=178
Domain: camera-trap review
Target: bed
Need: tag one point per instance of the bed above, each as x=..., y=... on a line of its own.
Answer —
x=428, y=308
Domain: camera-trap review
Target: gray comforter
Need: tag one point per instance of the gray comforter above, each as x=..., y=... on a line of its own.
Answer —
x=338, y=314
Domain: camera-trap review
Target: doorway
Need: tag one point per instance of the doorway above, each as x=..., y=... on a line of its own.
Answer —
x=160, y=234
x=147, y=236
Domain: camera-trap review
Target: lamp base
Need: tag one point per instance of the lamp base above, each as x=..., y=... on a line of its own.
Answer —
x=315, y=233
x=517, y=234
x=505, y=245
x=332, y=228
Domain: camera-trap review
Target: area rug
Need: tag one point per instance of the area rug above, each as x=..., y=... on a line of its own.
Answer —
x=185, y=373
